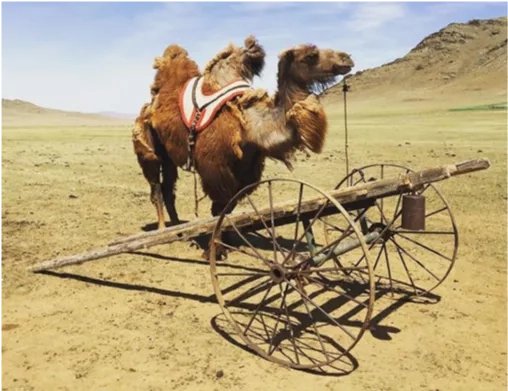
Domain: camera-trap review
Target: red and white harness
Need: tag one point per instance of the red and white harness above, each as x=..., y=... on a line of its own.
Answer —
x=198, y=110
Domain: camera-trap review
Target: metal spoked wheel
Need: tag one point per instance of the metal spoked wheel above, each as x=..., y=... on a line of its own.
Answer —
x=287, y=295
x=411, y=262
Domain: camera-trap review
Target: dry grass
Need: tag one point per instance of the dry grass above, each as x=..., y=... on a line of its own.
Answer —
x=443, y=62
x=143, y=321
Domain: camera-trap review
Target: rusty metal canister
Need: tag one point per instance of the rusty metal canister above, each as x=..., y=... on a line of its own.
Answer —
x=413, y=212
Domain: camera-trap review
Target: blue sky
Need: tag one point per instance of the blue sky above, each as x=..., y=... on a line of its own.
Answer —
x=98, y=56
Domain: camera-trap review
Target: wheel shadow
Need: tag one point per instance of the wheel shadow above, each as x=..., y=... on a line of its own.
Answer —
x=256, y=239
x=346, y=365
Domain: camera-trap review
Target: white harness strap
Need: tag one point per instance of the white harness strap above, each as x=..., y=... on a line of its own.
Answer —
x=198, y=109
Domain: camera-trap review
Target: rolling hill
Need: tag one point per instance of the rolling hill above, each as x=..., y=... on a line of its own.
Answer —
x=21, y=113
x=464, y=62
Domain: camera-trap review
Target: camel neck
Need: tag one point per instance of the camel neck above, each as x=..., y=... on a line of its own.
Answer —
x=289, y=93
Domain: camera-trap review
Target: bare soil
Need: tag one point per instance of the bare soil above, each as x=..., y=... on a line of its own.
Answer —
x=149, y=321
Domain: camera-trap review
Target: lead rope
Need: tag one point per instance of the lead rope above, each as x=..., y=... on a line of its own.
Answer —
x=345, y=89
x=191, y=162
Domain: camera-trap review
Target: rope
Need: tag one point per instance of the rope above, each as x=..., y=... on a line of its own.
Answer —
x=345, y=89
x=196, y=202
x=196, y=199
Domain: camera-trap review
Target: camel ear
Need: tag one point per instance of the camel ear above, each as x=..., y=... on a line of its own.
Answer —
x=254, y=55
x=250, y=41
x=285, y=60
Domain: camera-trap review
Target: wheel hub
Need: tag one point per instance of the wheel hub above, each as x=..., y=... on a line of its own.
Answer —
x=380, y=227
x=277, y=273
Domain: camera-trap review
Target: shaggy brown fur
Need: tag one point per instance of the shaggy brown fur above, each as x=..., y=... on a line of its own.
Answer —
x=293, y=119
x=159, y=134
x=174, y=68
x=271, y=126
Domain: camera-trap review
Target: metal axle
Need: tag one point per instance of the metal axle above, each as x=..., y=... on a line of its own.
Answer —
x=343, y=248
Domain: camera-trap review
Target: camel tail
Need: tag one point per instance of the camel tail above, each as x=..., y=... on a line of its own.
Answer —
x=142, y=140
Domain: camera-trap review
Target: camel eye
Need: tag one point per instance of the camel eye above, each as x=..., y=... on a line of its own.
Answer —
x=311, y=57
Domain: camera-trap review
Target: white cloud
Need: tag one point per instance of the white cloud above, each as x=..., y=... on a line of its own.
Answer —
x=112, y=70
x=262, y=6
x=369, y=16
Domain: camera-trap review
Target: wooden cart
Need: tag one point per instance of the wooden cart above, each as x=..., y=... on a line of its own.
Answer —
x=300, y=281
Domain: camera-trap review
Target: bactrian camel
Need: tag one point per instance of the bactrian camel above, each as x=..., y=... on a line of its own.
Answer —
x=230, y=153
x=174, y=70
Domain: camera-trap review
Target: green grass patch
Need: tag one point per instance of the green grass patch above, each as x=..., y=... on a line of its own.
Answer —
x=491, y=106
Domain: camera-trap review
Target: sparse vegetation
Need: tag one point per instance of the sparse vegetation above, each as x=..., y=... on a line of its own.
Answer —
x=148, y=320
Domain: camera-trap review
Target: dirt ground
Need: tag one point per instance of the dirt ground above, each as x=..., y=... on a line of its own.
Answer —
x=149, y=321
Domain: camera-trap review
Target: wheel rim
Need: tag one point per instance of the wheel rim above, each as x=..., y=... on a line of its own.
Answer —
x=278, y=304
x=409, y=262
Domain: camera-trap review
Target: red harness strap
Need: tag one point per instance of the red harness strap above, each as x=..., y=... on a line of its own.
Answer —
x=198, y=110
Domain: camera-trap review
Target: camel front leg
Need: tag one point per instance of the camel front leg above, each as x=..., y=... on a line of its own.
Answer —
x=221, y=251
x=169, y=178
x=156, y=198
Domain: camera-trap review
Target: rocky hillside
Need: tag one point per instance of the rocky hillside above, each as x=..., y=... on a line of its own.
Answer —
x=461, y=57
x=21, y=113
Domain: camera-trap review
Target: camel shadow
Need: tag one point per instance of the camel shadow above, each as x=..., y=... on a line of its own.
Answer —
x=154, y=226
x=255, y=239
x=341, y=367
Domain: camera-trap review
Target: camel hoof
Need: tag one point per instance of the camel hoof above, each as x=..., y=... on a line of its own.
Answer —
x=221, y=254
x=194, y=244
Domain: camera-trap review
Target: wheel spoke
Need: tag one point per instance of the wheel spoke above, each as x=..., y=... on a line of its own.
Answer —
x=270, y=197
x=427, y=232
x=285, y=324
x=282, y=299
x=349, y=231
x=313, y=322
x=250, y=292
x=242, y=274
x=317, y=281
x=258, y=308
x=297, y=224
x=424, y=246
x=436, y=212
x=388, y=267
x=414, y=259
x=307, y=229
x=321, y=310
x=289, y=324
x=406, y=269
x=408, y=248
x=255, y=256
x=267, y=263
x=270, y=233
x=328, y=269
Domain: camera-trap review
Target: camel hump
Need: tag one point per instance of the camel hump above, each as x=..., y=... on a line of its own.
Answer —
x=193, y=101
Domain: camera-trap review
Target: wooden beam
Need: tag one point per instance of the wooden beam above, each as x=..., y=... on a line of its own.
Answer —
x=349, y=197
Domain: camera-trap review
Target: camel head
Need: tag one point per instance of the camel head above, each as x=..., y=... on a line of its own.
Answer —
x=236, y=62
x=171, y=53
x=174, y=68
x=306, y=68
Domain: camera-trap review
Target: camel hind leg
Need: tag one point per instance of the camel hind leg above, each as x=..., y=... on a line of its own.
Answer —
x=169, y=178
x=151, y=171
x=221, y=251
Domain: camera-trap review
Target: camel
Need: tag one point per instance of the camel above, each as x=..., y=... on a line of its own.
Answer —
x=231, y=152
x=174, y=69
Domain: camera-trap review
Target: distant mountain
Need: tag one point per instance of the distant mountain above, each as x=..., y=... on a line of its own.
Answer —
x=21, y=113
x=461, y=59
x=114, y=114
